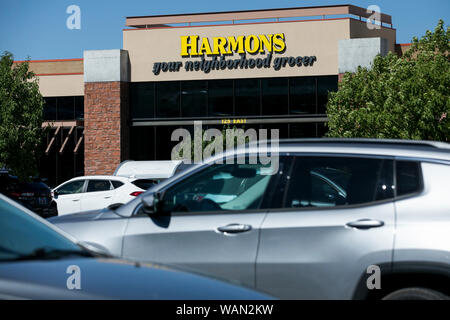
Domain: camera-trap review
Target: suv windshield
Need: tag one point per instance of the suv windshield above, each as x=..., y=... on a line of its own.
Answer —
x=23, y=236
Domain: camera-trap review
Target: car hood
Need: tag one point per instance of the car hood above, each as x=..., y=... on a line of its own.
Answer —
x=107, y=278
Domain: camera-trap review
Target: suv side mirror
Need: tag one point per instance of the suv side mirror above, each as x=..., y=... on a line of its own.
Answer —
x=150, y=203
x=55, y=193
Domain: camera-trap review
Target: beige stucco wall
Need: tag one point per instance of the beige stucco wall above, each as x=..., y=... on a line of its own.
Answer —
x=56, y=66
x=305, y=38
x=59, y=77
x=63, y=66
x=61, y=85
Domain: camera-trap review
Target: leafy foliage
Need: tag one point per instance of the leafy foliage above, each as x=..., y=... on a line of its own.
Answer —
x=20, y=117
x=399, y=97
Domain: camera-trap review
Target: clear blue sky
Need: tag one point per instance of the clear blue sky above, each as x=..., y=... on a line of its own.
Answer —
x=37, y=28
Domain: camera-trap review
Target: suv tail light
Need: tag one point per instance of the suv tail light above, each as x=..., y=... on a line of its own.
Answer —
x=136, y=193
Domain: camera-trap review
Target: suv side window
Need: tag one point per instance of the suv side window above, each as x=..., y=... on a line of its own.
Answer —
x=116, y=184
x=98, y=185
x=72, y=187
x=408, y=177
x=220, y=187
x=338, y=181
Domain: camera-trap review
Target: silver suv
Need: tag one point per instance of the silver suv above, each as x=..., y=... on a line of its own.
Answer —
x=339, y=219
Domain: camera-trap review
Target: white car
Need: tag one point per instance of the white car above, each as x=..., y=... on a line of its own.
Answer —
x=97, y=192
x=130, y=179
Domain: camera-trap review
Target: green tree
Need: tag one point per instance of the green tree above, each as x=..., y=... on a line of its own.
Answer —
x=399, y=97
x=20, y=118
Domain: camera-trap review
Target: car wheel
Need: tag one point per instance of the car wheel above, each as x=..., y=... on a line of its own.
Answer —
x=416, y=294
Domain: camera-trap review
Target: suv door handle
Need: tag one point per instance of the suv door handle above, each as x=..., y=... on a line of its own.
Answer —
x=107, y=197
x=75, y=199
x=235, y=228
x=365, y=224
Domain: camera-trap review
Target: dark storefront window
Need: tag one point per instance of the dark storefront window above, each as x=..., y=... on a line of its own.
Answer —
x=296, y=96
x=79, y=108
x=322, y=129
x=164, y=134
x=247, y=97
x=168, y=99
x=66, y=108
x=274, y=96
x=142, y=143
x=63, y=108
x=283, y=130
x=59, y=167
x=66, y=159
x=324, y=86
x=49, y=109
x=146, y=141
x=220, y=98
x=302, y=95
x=194, y=98
x=302, y=130
x=216, y=99
x=142, y=100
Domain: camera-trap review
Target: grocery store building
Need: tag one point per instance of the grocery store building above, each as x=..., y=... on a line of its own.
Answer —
x=250, y=69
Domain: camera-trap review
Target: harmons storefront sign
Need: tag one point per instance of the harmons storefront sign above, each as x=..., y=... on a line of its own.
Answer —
x=216, y=53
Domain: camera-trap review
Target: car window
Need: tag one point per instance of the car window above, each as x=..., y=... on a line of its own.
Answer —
x=324, y=191
x=116, y=184
x=408, y=177
x=222, y=187
x=98, y=185
x=146, y=183
x=71, y=187
x=337, y=181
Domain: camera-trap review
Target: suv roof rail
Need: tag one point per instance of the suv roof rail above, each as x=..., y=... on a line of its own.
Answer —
x=393, y=142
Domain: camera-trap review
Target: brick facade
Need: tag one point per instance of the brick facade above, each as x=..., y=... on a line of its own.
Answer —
x=105, y=126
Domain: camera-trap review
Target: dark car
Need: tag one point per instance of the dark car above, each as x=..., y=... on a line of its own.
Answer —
x=34, y=195
x=38, y=261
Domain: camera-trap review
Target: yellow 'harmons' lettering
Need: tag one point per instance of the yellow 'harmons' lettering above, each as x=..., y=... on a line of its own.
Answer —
x=196, y=46
x=279, y=43
x=189, y=43
x=236, y=44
